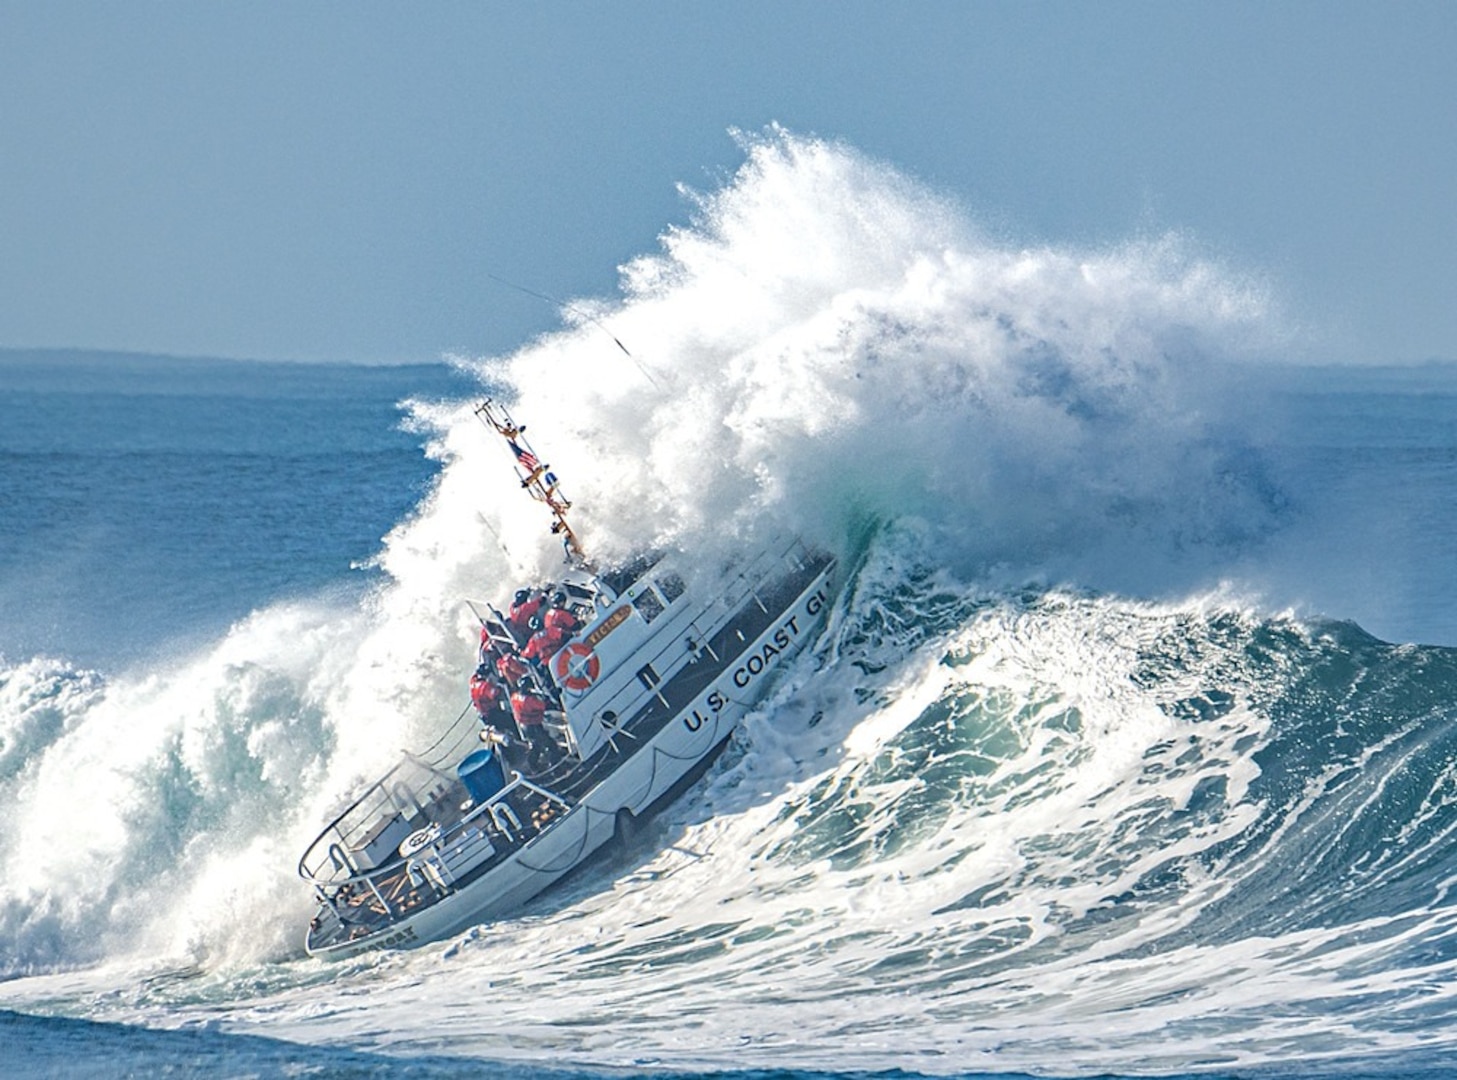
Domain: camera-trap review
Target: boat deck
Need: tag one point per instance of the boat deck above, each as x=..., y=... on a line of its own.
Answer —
x=378, y=863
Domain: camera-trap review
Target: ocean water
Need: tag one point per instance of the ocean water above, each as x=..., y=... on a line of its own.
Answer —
x=1129, y=749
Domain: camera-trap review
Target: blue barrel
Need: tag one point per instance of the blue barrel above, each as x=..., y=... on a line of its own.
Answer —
x=482, y=774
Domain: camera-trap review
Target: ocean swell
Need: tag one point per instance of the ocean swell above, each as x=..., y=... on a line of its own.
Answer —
x=1047, y=790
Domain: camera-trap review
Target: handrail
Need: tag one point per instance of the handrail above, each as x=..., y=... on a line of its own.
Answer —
x=380, y=789
x=459, y=734
x=466, y=841
x=390, y=866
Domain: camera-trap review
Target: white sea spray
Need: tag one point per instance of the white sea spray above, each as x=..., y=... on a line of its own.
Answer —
x=1051, y=792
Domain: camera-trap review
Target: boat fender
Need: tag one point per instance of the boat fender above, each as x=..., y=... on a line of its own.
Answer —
x=577, y=667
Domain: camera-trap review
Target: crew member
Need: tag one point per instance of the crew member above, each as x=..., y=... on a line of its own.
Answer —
x=544, y=643
x=560, y=616
x=529, y=709
x=485, y=693
x=523, y=611
x=511, y=668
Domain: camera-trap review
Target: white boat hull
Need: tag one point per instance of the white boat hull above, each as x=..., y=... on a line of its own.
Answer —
x=651, y=772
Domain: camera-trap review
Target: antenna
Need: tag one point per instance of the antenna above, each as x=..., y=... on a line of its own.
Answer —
x=535, y=475
x=582, y=314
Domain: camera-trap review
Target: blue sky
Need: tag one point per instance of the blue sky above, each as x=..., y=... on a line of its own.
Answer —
x=340, y=181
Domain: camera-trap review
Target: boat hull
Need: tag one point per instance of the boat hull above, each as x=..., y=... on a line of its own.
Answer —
x=657, y=765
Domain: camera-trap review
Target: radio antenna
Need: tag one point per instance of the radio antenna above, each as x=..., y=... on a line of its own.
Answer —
x=581, y=314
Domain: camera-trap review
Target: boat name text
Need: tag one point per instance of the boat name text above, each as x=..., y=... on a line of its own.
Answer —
x=609, y=624
x=759, y=661
x=403, y=936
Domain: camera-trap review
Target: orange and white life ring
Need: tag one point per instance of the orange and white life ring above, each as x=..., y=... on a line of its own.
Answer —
x=576, y=667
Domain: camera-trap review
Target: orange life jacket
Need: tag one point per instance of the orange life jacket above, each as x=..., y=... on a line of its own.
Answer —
x=511, y=668
x=528, y=709
x=521, y=613
x=484, y=693
x=561, y=619
x=544, y=644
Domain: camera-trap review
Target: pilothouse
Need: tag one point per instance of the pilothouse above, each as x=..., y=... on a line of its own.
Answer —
x=596, y=697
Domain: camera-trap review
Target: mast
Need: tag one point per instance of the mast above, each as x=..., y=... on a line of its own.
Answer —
x=535, y=475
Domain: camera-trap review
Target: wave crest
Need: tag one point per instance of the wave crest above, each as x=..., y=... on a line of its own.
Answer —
x=828, y=340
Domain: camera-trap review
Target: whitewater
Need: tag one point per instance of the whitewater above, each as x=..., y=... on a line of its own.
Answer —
x=1129, y=747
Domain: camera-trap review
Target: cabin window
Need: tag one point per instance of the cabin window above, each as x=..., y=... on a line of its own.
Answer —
x=648, y=605
x=671, y=586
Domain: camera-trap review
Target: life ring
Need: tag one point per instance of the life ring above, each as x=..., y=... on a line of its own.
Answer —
x=577, y=667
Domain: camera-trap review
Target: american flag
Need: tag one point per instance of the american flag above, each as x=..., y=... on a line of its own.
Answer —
x=525, y=458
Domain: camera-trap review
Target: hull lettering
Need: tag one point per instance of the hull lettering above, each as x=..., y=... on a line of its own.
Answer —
x=784, y=638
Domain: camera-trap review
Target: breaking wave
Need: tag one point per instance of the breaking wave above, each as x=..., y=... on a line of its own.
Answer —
x=1048, y=786
x=828, y=341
